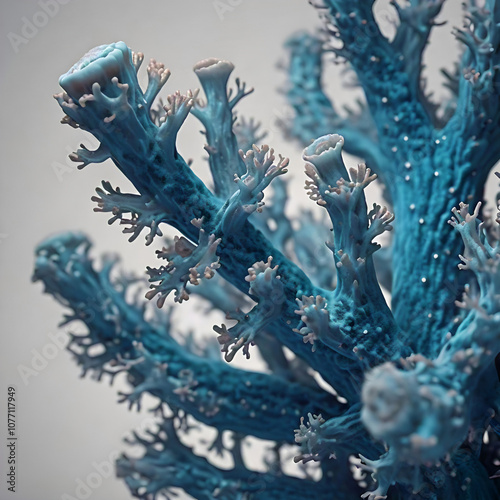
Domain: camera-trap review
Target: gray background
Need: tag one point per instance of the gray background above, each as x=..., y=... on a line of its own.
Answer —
x=65, y=423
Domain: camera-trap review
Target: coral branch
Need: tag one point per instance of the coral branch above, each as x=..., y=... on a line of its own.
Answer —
x=217, y=118
x=409, y=394
x=260, y=171
x=417, y=19
x=314, y=114
x=266, y=286
x=321, y=439
x=423, y=413
x=354, y=229
x=150, y=161
x=383, y=69
x=248, y=133
x=210, y=390
x=144, y=212
x=477, y=115
x=168, y=463
x=186, y=263
x=157, y=77
x=86, y=156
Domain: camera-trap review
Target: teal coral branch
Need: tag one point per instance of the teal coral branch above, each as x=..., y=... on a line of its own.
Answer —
x=152, y=163
x=396, y=400
x=210, y=390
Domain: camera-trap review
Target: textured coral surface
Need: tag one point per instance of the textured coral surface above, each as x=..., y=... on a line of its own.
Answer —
x=411, y=410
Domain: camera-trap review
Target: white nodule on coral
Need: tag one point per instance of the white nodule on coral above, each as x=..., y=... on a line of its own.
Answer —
x=100, y=65
x=213, y=68
x=137, y=58
x=157, y=71
x=388, y=405
x=324, y=150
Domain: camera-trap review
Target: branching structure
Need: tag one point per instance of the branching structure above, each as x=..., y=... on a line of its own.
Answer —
x=417, y=390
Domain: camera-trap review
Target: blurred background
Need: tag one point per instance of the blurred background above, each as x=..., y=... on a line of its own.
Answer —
x=68, y=427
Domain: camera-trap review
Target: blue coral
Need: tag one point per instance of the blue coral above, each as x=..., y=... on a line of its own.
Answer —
x=413, y=410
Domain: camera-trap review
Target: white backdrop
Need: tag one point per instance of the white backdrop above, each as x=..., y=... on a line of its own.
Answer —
x=69, y=425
